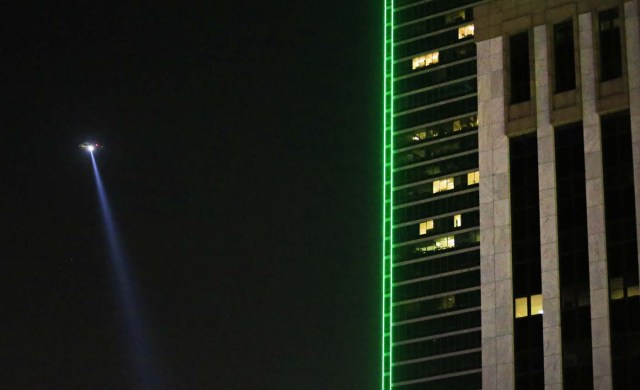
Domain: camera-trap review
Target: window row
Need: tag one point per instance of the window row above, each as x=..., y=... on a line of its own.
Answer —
x=456, y=53
x=432, y=114
x=609, y=40
x=436, y=226
x=428, y=225
x=468, y=381
x=426, y=44
x=427, y=59
x=438, y=265
x=436, y=306
x=429, y=171
x=446, y=205
x=419, y=10
x=435, y=95
x=436, y=75
x=436, y=367
x=431, y=43
x=438, y=346
x=444, y=284
x=433, y=132
x=450, y=19
x=428, y=190
x=436, y=246
x=436, y=150
x=434, y=326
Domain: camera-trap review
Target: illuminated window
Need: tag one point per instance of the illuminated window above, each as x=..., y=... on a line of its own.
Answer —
x=457, y=220
x=419, y=136
x=438, y=244
x=425, y=227
x=633, y=291
x=473, y=178
x=443, y=185
x=425, y=60
x=465, y=31
x=448, y=302
x=536, y=304
x=455, y=17
x=616, y=286
x=457, y=125
x=442, y=243
x=521, y=307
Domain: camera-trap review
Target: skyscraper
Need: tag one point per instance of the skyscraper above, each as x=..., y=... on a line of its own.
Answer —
x=431, y=197
x=511, y=194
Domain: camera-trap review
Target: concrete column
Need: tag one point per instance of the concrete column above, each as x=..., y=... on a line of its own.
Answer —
x=495, y=221
x=598, y=277
x=632, y=33
x=551, y=334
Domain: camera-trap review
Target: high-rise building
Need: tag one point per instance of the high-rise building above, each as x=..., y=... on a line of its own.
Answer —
x=511, y=194
x=431, y=320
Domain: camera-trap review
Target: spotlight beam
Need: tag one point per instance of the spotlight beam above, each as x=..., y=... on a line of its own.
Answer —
x=137, y=340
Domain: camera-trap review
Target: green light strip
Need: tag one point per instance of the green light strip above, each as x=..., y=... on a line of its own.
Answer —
x=387, y=200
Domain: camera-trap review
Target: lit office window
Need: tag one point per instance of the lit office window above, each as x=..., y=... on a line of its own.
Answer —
x=633, y=291
x=457, y=220
x=442, y=243
x=437, y=245
x=448, y=302
x=425, y=227
x=536, y=304
x=419, y=136
x=443, y=185
x=616, y=286
x=523, y=304
x=465, y=31
x=425, y=60
x=473, y=178
x=457, y=125
x=522, y=309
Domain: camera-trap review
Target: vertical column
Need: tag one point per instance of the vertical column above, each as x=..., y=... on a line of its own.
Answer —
x=551, y=334
x=495, y=221
x=598, y=278
x=632, y=33
x=387, y=201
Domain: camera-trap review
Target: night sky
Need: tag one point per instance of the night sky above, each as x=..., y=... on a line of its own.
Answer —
x=242, y=158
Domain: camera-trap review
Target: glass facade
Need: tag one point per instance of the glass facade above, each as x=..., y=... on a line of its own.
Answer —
x=431, y=281
x=526, y=267
x=622, y=252
x=573, y=253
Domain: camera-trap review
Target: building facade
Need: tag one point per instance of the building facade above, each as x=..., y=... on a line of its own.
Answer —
x=511, y=194
x=431, y=320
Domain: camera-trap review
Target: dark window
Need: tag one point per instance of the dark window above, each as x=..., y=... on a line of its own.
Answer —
x=622, y=260
x=519, y=67
x=525, y=235
x=573, y=258
x=564, y=56
x=610, y=45
x=469, y=381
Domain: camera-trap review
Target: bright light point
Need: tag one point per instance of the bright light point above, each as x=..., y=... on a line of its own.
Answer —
x=90, y=148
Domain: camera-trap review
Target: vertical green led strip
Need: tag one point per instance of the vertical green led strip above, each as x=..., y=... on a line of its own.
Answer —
x=387, y=199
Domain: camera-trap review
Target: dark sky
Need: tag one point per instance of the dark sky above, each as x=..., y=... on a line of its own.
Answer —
x=242, y=160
